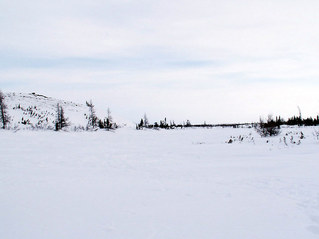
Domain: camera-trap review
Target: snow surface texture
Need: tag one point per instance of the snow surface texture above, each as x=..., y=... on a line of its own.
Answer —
x=179, y=184
x=34, y=111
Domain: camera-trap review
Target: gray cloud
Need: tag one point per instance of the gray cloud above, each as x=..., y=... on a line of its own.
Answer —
x=166, y=56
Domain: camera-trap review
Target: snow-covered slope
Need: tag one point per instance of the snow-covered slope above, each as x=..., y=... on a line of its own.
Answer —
x=38, y=111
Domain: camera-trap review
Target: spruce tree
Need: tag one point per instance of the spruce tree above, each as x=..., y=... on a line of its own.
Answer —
x=145, y=120
x=92, y=119
x=61, y=121
x=109, y=118
x=4, y=117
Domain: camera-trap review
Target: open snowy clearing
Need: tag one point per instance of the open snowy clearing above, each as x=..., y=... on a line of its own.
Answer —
x=175, y=184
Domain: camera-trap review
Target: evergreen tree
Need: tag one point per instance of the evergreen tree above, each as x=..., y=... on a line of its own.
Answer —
x=268, y=128
x=108, y=123
x=92, y=119
x=109, y=118
x=102, y=124
x=141, y=124
x=61, y=121
x=146, y=123
x=188, y=123
x=4, y=117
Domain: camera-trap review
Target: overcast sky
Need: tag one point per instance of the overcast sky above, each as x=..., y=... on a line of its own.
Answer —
x=214, y=61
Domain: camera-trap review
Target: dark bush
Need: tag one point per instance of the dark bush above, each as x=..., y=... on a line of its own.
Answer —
x=268, y=128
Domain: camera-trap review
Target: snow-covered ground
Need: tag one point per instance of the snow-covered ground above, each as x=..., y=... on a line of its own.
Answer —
x=177, y=184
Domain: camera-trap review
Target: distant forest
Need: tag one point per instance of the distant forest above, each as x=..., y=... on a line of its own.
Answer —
x=274, y=122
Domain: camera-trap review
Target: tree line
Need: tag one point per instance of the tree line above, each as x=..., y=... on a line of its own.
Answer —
x=267, y=127
x=165, y=124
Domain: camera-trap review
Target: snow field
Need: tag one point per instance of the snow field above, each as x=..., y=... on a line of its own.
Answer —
x=158, y=184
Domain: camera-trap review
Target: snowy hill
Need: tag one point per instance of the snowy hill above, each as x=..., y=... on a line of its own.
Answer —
x=35, y=111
